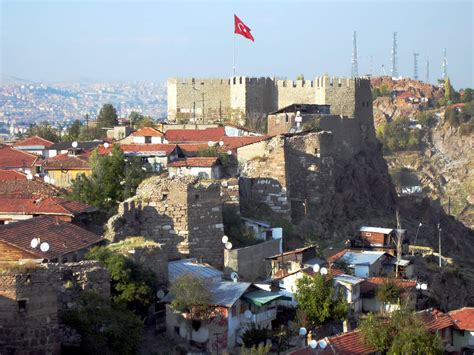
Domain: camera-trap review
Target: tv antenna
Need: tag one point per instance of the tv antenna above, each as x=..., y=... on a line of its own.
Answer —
x=394, y=70
x=234, y=276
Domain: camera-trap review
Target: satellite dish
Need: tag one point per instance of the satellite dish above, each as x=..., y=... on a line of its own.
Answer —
x=106, y=145
x=424, y=287
x=46, y=179
x=44, y=247
x=303, y=331
x=34, y=242
x=234, y=276
x=160, y=294
x=29, y=176
x=229, y=152
x=225, y=239
x=210, y=143
x=418, y=286
x=323, y=344
x=324, y=271
x=316, y=268
x=313, y=344
x=221, y=143
x=74, y=144
x=228, y=245
x=248, y=314
x=165, y=141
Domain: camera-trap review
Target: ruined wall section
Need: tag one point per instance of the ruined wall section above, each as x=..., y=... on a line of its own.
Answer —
x=263, y=174
x=183, y=214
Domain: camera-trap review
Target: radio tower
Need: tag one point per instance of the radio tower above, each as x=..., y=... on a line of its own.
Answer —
x=428, y=71
x=445, y=65
x=394, y=56
x=355, y=66
x=415, y=65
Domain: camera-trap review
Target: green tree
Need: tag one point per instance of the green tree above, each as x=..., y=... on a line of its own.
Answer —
x=113, y=179
x=190, y=295
x=425, y=119
x=319, y=299
x=388, y=292
x=73, y=131
x=131, y=284
x=104, y=328
x=214, y=152
x=107, y=116
x=400, y=333
x=452, y=117
x=448, y=91
x=45, y=131
x=140, y=121
x=254, y=335
x=468, y=95
x=300, y=77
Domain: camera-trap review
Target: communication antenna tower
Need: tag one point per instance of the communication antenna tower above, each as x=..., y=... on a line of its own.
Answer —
x=394, y=70
x=445, y=65
x=415, y=65
x=355, y=65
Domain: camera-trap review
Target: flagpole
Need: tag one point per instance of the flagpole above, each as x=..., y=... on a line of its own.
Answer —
x=233, y=55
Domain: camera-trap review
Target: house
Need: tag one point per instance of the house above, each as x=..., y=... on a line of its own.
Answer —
x=233, y=306
x=191, y=149
x=154, y=156
x=262, y=230
x=65, y=147
x=147, y=135
x=64, y=168
x=370, y=303
x=213, y=134
x=232, y=130
x=57, y=241
x=292, y=261
x=363, y=263
x=463, y=331
x=20, y=207
x=15, y=159
x=35, y=145
x=203, y=167
x=380, y=239
x=405, y=268
x=441, y=324
x=351, y=286
x=13, y=182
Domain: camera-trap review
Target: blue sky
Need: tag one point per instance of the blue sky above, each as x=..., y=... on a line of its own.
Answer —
x=152, y=40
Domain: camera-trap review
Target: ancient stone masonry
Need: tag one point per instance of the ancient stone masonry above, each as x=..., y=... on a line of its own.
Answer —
x=32, y=298
x=183, y=214
x=223, y=98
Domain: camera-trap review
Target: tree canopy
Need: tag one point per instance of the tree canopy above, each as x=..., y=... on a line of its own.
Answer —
x=319, y=300
x=107, y=116
x=45, y=131
x=114, y=178
x=190, y=295
x=400, y=333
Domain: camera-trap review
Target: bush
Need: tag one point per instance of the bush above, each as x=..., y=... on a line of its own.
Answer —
x=254, y=335
x=425, y=119
x=190, y=295
x=398, y=136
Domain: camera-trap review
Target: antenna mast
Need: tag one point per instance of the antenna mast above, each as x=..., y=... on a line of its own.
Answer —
x=428, y=70
x=445, y=65
x=355, y=65
x=394, y=56
x=415, y=65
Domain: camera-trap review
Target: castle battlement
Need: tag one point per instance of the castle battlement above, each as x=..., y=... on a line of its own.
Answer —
x=199, y=81
x=294, y=83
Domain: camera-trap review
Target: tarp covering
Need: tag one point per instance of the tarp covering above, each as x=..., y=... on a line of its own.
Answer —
x=261, y=297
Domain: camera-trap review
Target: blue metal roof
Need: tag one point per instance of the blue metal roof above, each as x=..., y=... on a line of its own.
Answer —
x=191, y=266
x=362, y=258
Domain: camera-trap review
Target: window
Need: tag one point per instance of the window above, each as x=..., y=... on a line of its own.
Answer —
x=176, y=330
x=368, y=234
x=21, y=306
x=164, y=197
x=286, y=118
x=147, y=139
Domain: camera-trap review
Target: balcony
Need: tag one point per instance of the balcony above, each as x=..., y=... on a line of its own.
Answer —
x=262, y=317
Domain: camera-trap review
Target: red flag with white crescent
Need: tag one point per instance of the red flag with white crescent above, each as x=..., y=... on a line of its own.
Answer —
x=242, y=29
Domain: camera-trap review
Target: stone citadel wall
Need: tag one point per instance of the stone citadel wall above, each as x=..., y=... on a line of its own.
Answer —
x=232, y=98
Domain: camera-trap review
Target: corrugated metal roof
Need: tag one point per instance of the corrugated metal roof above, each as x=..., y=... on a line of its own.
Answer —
x=226, y=293
x=364, y=257
x=353, y=280
x=376, y=230
x=191, y=266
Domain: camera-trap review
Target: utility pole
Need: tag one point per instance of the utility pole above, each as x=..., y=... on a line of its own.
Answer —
x=394, y=70
x=416, y=236
x=439, y=243
x=428, y=71
x=415, y=65
x=355, y=65
x=399, y=242
x=445, y=65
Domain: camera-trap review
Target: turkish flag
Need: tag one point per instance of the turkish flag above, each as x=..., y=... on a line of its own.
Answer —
x=242, y=29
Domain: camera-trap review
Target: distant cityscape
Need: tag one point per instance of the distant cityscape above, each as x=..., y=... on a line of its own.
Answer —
x=22, y=104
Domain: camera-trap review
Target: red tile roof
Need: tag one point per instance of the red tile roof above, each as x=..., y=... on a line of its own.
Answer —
x=67, y=162
x=62, y=237
x=195, y=135
x=372, y=283
x=333, y=258
x=463, y=318
x=348, y=343
x=232, y=143
x=147, y=132
x=33, y=141
x=191, y=149
x=165, y=149
x=12, y=181
x=37, y=204
x=11, y=158
x=435, y=320
x=205, y=162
